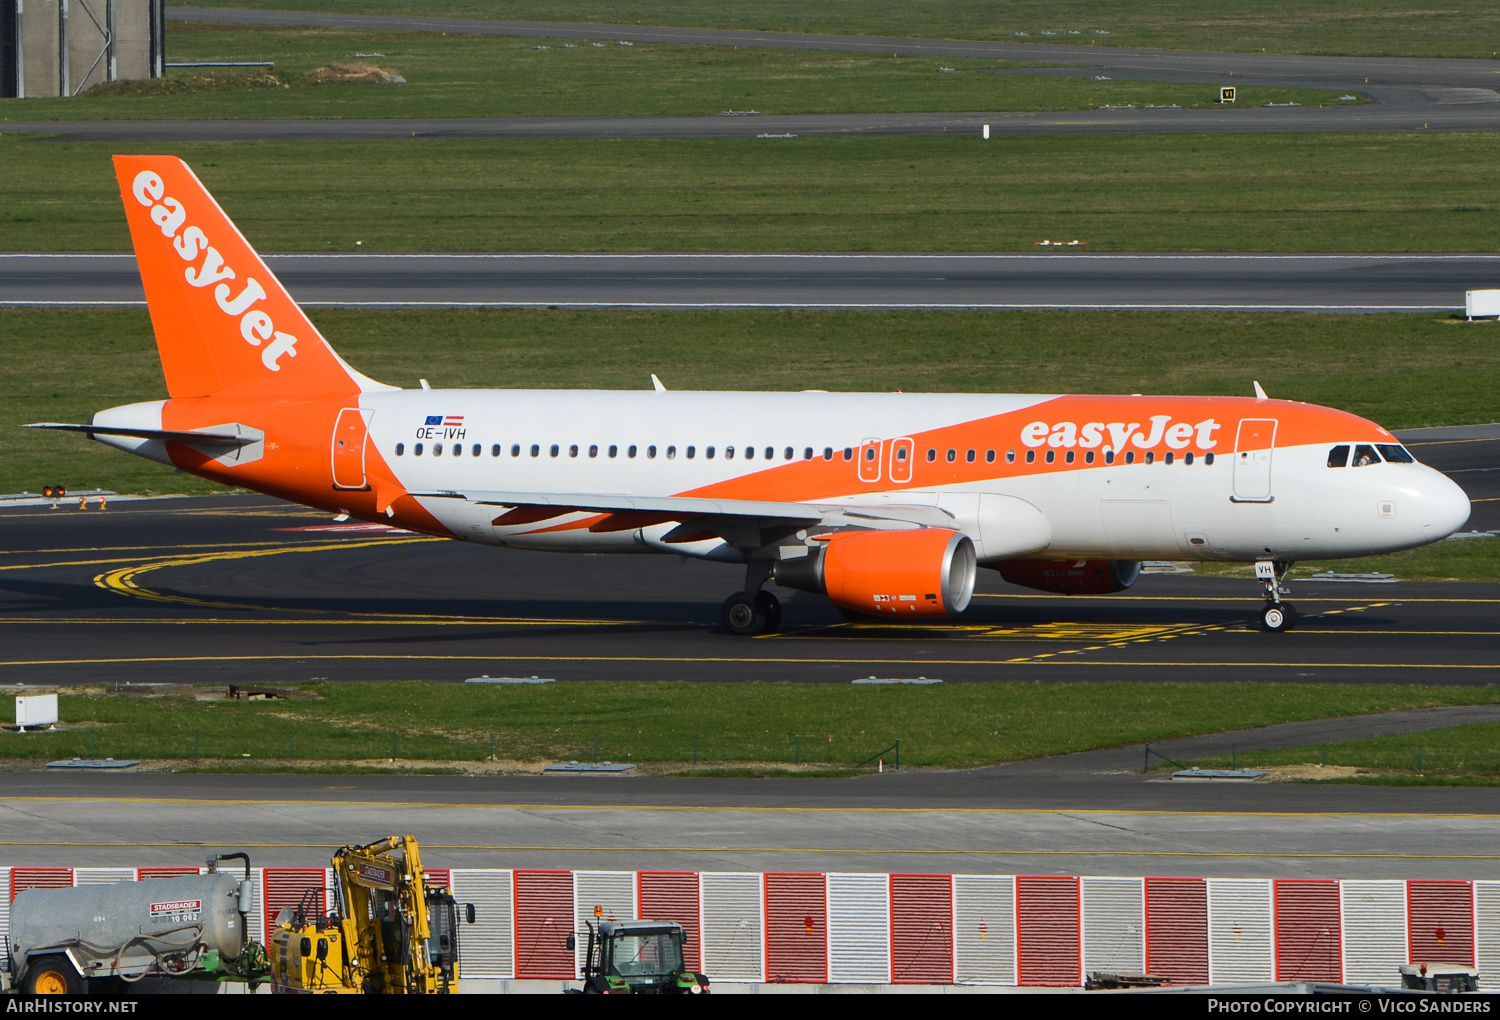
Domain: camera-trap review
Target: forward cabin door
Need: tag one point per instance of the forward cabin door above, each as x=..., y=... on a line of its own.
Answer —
x=350, y=433
x=1253, y=445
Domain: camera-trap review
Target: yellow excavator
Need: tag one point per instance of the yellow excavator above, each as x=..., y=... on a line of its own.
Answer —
x=388, y=933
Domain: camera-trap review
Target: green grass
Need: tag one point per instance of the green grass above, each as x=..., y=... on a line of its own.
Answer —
x=952, y=726
x=1412, y=370
x=1462, y=755
x=476, y=76
x=1455, y=28
x=1129, y=193
x=1464, y=560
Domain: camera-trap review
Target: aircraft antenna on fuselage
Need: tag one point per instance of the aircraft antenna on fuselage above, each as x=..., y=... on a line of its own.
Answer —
x=1260, y=394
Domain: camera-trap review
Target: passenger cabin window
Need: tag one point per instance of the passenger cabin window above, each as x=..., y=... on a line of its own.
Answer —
x=1051, y=456
x=1069, y=456
x=969, y=457
x=1031, y=456
x=536, y=451
x=1088, y=457
x=651, y=451
x=1338, y=456
x=952, y=456
x=708, y=451
x=1109, y=456
x=573, y=450
x=749, y=453
x=692, y=451
x=989, y=456
x=495, y=450
x=630, y=451
x=770, y=453
x=1187, y=458
x=729, y=453
x=437, y=449
x=554, y=450
x=594, y=451
x=400, y=449
x=1010, y=456
x=828, y=453
x=477, y=450
x=458, y=449
x=515, y=449
x=807, y=454
x=614, y=451
x=1130, y=456
x=1365, y=455
x=1208, y=458
x=416, y=451
x=1394, y=454
x=848, y=453
x=790, y=453
x=931, y=456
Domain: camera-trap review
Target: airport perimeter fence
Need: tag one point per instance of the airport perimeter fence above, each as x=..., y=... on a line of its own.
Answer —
x=862, y=928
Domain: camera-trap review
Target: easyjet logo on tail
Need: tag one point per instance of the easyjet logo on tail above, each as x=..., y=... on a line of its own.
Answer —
x=1177, y=436
x=255, y=324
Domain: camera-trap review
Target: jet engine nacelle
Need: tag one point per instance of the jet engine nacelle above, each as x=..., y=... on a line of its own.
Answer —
x=1072, y=577
x=921, y=572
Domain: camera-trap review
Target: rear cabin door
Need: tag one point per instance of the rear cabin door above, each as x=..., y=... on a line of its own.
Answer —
x=1253, y=445
x=350, y=433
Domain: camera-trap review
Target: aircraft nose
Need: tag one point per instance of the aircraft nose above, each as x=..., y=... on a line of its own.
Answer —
x=1445, y=507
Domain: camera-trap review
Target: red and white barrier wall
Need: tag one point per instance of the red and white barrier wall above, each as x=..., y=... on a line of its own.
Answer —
x=784, y=927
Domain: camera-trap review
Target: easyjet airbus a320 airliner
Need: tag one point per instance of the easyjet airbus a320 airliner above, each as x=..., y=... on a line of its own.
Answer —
x=888, y=503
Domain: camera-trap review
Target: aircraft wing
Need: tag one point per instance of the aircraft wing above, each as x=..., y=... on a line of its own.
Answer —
x=742, y=522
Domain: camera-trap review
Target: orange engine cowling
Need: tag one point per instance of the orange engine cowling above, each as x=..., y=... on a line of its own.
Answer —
x=922, y=572
x=1072, y=577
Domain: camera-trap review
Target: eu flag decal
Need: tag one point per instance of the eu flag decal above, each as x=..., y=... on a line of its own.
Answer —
x=434, y=419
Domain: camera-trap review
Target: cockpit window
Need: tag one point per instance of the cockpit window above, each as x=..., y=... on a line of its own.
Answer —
x=1365, y=454
x=1395, y=454
x=1338, y=456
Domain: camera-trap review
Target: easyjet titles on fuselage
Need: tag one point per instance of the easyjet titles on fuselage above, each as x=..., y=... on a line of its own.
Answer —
x=1177, y=436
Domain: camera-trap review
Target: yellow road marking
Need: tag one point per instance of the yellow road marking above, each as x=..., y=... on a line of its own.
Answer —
x=123, y=581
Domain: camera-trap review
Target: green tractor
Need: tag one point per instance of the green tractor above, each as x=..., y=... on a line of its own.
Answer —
x=626, y=957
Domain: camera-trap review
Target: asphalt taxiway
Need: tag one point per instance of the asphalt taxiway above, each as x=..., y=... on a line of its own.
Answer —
x=1330, y=283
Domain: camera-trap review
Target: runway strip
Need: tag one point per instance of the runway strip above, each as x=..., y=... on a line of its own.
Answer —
x=1326, y=283
x=781, y=128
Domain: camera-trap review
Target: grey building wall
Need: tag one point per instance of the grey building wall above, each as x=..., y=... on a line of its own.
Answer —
x=61, y=47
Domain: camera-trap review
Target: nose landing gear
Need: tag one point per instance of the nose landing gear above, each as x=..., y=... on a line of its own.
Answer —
x=1276, y=616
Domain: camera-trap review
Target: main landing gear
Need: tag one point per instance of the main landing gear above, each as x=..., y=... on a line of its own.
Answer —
x=1276, y=616
x=752, y=611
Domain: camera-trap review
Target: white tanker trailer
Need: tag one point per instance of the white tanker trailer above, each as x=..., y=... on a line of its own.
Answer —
x=60, y=939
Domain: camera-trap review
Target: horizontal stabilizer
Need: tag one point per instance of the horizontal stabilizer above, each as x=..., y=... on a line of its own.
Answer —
x=223, y=438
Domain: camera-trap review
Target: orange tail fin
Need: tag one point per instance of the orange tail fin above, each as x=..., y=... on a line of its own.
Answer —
x=223, y=322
